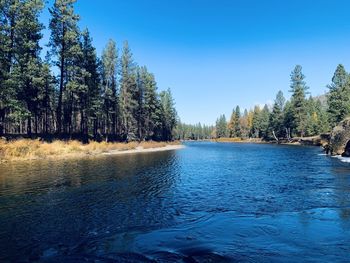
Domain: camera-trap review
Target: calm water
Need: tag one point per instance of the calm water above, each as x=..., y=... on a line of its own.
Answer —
x=208, y=202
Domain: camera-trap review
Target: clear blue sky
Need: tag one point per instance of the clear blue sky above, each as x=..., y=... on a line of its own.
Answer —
x=217, y=54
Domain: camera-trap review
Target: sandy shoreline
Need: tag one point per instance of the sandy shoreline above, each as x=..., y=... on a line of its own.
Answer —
x=148, y=150
x=75, y=150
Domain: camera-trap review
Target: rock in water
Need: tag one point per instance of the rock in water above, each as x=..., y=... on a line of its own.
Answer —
x=340, y=139
x=346, y=153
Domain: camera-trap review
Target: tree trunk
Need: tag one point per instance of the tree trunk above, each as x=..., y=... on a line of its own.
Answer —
x=2, y=121
x=62, y=73
x=274, y=135
x=29, y=126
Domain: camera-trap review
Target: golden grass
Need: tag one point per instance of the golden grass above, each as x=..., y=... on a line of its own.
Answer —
x=25, y=149
x=229, y=139
x=238, y=139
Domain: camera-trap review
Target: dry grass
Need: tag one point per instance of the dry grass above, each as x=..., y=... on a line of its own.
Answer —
x=237, y=139
x=26, y=149
x=228, y=139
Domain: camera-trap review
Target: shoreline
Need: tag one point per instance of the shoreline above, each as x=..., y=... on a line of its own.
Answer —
x=140, y=149
x=31, y=150
x=297, y=141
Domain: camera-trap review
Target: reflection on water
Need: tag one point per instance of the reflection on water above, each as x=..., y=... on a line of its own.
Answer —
x=219, y=202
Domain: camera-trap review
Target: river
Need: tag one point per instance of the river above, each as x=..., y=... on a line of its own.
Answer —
x=209, y=202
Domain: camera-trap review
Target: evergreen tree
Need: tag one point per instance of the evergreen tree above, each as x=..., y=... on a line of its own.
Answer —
x=277, y=117
x=264, y=122
x=244, y=125
x=8, y=20
x=151, y=109
x=169, y=114
x=231, y=126
x=256, y=127
x=89, y=97
x=288, y=120
x=339, y=96
x=26, y=73
x=221, y=127
x=298, y=89
x=64, y=43
x=238, y=124
x=109, y=90
x=128, y=95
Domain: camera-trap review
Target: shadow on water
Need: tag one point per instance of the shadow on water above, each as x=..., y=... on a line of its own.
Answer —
x=209, y=202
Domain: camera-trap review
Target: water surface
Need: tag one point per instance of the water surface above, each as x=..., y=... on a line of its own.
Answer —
x=209, y=202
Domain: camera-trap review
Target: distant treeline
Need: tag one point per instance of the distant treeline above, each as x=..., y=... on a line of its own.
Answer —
x=300, y=116
x=107, y=98
x=194, y=132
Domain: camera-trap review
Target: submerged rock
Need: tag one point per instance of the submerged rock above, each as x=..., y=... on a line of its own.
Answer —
x=340, y=139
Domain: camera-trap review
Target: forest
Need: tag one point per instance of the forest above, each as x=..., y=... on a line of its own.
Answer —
x=70, y=92
x=301, y=116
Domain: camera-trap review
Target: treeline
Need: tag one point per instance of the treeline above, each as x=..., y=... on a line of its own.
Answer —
x=107, y=97
x=301, y=116
x=194, y=131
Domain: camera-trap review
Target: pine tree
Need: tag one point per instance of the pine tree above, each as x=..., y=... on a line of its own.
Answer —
x=8, y=19
x=231, y=126
x=312, y=122
x=323, y=125
x=151, y=110
x=64, y=43
x=238, y=124
x=277, y=117
x=264, y=122
x=90, y=100
x=299, y=90
x=339, y=96
x=26, y=72
x=255, y=130
x=128, y=95
x=244, y=124
x=169, y=114
x=109, y=90
x=221, y=127
x=47, y=103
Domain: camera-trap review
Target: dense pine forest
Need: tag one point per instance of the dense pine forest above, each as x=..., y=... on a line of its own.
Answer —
x=302, y=115
x=71, y=92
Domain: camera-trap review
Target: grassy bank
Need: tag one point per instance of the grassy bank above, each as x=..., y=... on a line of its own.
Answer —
x=26, y=149
x=251, y=140
x=319, y=140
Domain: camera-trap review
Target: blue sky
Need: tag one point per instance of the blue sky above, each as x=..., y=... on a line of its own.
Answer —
x=217, y=54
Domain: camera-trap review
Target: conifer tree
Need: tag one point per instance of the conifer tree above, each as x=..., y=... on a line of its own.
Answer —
x=109, y=89
x=244, y=126
x=238, y=124
x=255, y=131
x=26, y=73
x=64, y=44
x=339, y=96
x=151, y=109
x=221, y=127
x=90, y=96
x=264, y=122
x=8, y=20
x=299, y=90
x=128, y=95
x=277, y=117
x=231, y=126
x=169, y=114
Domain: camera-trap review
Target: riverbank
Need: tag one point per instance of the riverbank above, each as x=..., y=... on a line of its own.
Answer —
x=239, y=140
x=320, y=140
x=26, y=149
